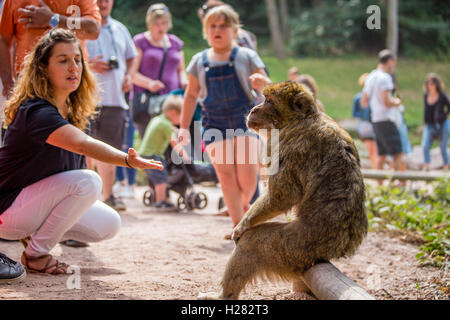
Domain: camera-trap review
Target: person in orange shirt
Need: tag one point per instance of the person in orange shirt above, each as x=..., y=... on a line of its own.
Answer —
x=25, y=21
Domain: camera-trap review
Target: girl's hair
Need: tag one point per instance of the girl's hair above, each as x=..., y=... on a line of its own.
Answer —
x=436, y=80
x=156, y=11
x=230, y=16
x=33, y=81
x=309, y=82
x=362, y=79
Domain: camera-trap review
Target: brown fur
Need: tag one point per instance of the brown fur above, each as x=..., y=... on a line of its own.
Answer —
x=319, y=178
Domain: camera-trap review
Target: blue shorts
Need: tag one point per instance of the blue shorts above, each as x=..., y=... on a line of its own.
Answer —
x=215, y=135
x=156, y=177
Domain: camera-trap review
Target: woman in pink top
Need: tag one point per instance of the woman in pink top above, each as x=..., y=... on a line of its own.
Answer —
x=150, y=46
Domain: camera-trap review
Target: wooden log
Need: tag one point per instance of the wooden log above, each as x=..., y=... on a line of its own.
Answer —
x=326, y=282
x=404, y=175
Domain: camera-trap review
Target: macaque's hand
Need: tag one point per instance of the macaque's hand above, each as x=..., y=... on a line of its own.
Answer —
x=137, y=162
x=239, y=230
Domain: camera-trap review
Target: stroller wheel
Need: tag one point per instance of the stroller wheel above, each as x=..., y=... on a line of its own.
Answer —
x=198, y=200
x=181, y=203
x=221, y=203
x=149, y=198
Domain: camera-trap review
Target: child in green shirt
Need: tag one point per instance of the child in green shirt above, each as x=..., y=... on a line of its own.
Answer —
x=157, y=137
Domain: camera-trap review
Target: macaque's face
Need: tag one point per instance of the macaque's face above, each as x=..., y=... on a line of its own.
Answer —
x=284, y=102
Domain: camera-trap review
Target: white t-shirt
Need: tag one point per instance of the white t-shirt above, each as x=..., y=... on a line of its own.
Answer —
x=377, y=82
x=114, y=40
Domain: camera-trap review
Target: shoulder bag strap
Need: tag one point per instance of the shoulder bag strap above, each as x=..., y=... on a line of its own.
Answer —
x=163, y=62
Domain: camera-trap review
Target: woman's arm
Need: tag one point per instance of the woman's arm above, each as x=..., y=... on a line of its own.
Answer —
x=142, y=81
x=189, y=105
x=182, y=72
x=190, y=102
x=70, y=138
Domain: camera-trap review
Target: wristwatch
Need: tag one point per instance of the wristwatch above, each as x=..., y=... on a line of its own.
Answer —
x=54, y=20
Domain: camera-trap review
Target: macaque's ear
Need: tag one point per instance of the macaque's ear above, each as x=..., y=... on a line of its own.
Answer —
x=304, y=102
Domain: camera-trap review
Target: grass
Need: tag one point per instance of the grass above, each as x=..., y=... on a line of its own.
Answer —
x=337, y=81
x=421, y=217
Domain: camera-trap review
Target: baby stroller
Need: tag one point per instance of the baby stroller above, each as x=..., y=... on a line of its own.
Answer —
x=182, y=178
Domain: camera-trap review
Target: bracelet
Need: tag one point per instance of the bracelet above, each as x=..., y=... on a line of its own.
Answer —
x=126, y=161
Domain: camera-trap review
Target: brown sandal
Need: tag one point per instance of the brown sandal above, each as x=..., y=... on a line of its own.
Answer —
x=49, y=268
x=25, y=241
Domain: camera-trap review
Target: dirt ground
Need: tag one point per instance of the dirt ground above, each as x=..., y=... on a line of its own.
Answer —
x=177, y=255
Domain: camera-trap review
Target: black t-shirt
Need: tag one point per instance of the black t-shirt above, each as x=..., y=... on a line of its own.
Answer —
x=25, y=157
x=437, y=113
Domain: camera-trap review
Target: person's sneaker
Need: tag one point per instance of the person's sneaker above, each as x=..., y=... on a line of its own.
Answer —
x=164, y=206
x=74, y=244
x=10, y=270
x=116, y=203
x=127, y=192
x=118, y=187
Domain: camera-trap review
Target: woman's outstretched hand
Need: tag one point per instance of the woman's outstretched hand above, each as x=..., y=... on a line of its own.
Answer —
x=137, y=162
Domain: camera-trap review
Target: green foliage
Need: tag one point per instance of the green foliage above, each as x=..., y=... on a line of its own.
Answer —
x=333, y=28
x=421, y=217
x=338, y=27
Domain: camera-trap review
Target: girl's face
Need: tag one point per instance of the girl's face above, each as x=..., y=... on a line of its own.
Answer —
x=65, y=68
x=159, y=28
x=431, y=85
x=220, y=35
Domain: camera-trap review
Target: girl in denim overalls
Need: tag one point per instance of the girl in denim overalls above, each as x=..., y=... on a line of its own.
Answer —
x=224, y=78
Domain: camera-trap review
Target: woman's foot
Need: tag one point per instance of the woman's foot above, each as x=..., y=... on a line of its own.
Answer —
x=43, y=264
x=426, y=167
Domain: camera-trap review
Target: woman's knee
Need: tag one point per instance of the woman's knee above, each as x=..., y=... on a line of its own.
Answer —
x=88, y=184
x=110, y=223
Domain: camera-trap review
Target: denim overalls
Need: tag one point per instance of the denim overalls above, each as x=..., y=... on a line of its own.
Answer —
x=227, y=104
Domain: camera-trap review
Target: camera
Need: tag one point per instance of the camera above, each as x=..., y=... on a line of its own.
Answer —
x=113, y=63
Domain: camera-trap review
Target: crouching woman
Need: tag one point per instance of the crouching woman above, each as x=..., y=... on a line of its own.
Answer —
x=45, y=194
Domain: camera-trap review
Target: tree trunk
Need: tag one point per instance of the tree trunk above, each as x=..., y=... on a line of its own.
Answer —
x=284, y=20
x=392, y=26
x=297, y=11
x=275, y=32
x=316, y=3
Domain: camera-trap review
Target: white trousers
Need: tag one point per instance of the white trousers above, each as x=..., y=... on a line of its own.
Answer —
x=60, y=207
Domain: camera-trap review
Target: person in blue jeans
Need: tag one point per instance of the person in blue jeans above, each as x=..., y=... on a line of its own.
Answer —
x=126, y=177
x=225, y=77
x=437, y=107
